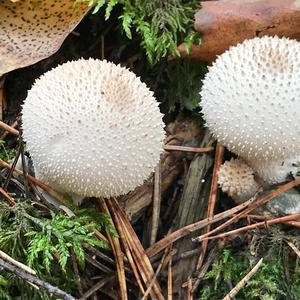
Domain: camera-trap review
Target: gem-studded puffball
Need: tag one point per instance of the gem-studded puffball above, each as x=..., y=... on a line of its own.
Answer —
x=92, y=128
x=236, y=179
x=251, y=99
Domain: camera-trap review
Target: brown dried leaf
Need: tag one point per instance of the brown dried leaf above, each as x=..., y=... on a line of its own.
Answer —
x=33, y=30
x=226, y=23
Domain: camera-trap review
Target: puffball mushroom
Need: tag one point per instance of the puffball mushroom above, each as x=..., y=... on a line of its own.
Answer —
x=250, y=100
x=236, y=179
x=92, y=128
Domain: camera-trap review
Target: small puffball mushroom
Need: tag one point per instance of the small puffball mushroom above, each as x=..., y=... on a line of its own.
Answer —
x=236, y=179
x=250, y=99
x=92, y=128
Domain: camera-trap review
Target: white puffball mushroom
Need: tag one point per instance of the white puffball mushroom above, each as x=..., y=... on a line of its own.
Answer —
x=92, y=128
x=250, y=99
x=236, y=179
x=277, y=171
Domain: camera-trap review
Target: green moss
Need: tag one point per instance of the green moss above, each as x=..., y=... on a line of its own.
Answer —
x=162, y=25
x=269, y=283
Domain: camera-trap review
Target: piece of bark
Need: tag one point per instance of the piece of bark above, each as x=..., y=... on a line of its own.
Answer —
x=226, y=23
x=193, y=206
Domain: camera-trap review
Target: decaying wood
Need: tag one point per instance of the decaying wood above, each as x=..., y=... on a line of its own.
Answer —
x=226, y=23
x=211, y=206
x=193, y=205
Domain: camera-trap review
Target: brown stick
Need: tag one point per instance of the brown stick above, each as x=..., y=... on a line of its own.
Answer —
x=34, y=280
x=165, y=259
x=156, y=204
x=7, y=196
x=188, y=149
x=243, y=282
x=126, y=247
x=295, y=249
x=96, y=287
x=254, y=226
x=9, y=129
x=176, y=235
x=115, y=245
x=170, y=281
x=211, y=206
x=138, y=250
x=5, y=133
x=263, y=200
x=35, y=181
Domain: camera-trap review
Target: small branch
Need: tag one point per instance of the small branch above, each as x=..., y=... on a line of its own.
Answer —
x=9, y=259
x=165, y=259
x=283, y=188
x=156, y=204
x=170, y=281
x=96, y=287
x=7, y=196
x=184, y=231
x=116, y=247
x=35, y=181
x=188, y=149
x=12, y=126
x=254, y=226
x=34, y=280
x=9, y=129
x=295, y=249
x=243, y=282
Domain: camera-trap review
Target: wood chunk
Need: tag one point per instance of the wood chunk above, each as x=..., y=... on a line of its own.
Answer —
x=226, y=23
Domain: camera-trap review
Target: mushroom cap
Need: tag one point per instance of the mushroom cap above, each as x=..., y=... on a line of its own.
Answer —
x=250, y=98
x=92, y=128
x=236, y=179
x=33, y=30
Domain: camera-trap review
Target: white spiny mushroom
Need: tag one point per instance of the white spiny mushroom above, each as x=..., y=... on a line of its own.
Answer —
x=236, y=179
x=92, y=128
x=250, y=101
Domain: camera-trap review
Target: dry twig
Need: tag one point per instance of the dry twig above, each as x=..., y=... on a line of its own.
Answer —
x=34, y=280
x=188, y=149
x=115, y=245
x=180, y=233
x=9, y=129
x=243, y=282
x=7, y=196
x=35, y=181
x=254, y=226
x=295, y=249
x=156, y=204
x=283, y=188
